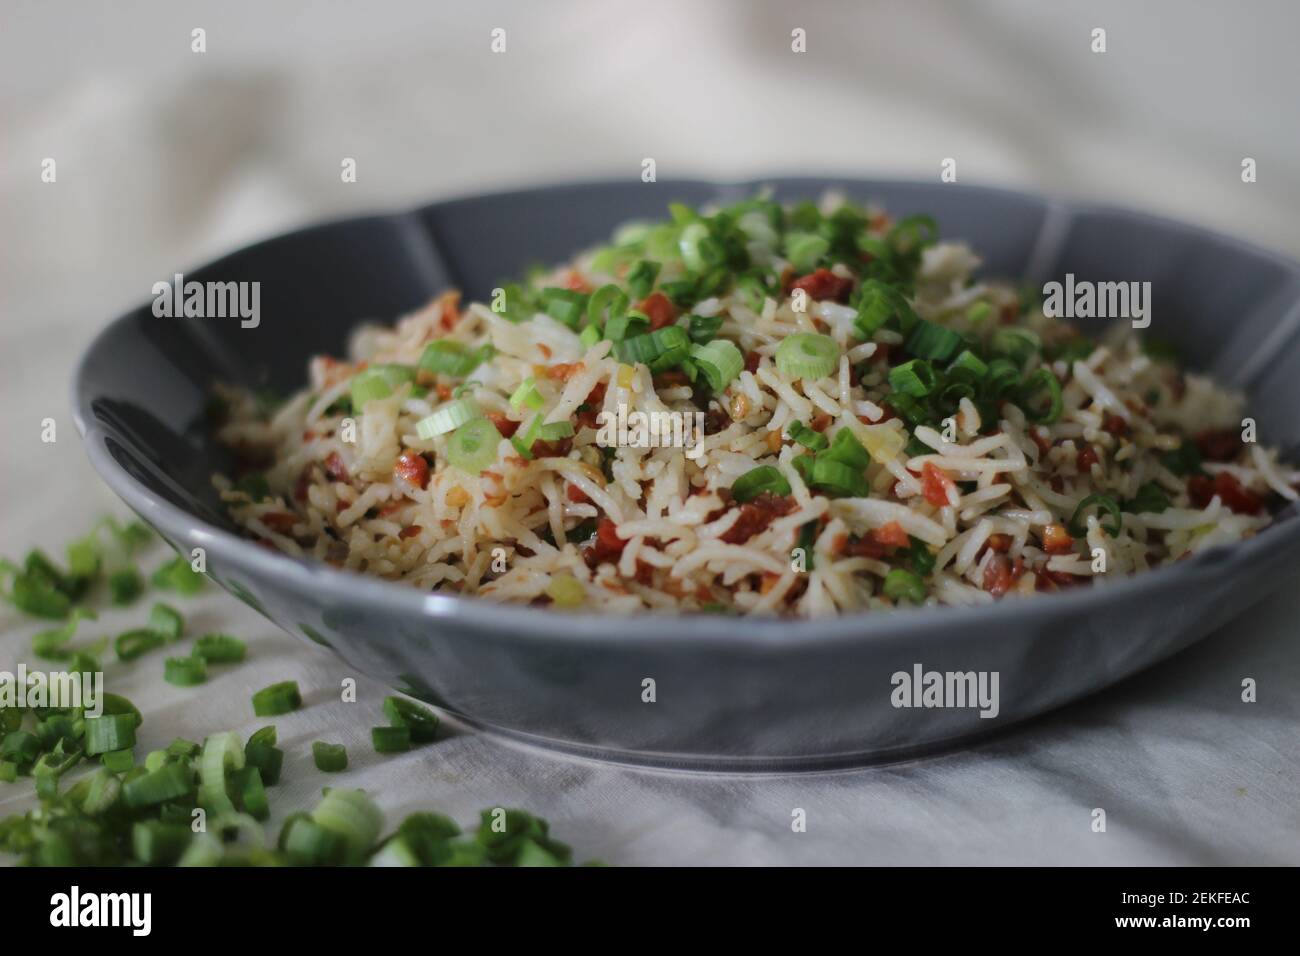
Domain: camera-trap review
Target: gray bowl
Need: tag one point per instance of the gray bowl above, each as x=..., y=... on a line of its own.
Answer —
x=728, y=692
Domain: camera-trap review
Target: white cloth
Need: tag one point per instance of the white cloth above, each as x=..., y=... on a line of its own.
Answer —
x=167, y=157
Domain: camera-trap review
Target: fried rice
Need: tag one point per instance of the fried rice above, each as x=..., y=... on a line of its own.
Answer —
x=923, y=437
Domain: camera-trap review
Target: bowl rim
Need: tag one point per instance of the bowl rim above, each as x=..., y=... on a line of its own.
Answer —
x=697, y=629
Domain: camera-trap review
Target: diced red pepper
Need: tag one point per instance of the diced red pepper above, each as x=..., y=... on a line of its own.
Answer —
x=1220, y=444
x=891, y=534
x=1085, y=459
x=1235, y=497
x=659, y=308
x=935, y=484
x=412, y=468
x=1057, y=540
x=824, y=284
x=505, y=426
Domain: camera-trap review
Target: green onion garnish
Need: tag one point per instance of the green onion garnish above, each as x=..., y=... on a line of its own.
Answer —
x=125, y=586
x=329, y=758
x=758, y=480
x=177, y=575
x=659, y=349
x=605, y=303
x=933, y=342
x=838, y=478
x=699, y=250
x=968, y=367
x=185, y=671
x=167, y=621
x=641, y=278
x=280, y=698
x=807, y=355
x=448, y=417
x=805, y=250
x=626, y=324
x=220, y=649
x=527, y=394
x=564, y=305
x=135, y=643
x=420, y=721
x=473, y=446
x=1042, y=381
x=846, y=449
x=107, y=733
x=352, y=817
x=703, y=328
x=1150, y=498
x=390, y=740
x=449, y=357
x=1014, y=343
x=378, y=381
x=1103, y=503
x=916, y=378
x=168, y=782
x=903, y=585
x=810, y=439
x=718, y=361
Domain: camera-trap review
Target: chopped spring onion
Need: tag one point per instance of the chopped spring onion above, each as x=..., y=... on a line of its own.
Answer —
x=626, y=324
x=718, y=361
x=904, y=585
x=420, y=721
x=453, y=358
x=1184, y=460
x=251, y=792
x=125, y=586
x=1042, y=380
x=662, y=347
x=805, y=250
x=265, y=756
x=281, y=698
x=167, y=621
x=135, y=643
x=448, y=418
x=473, y=446
x=1103, y=503
x=1014, y=343
x=590, y=336
x=168, y=782
x=220, y=649
x=836, y=477
x=185, y=671
x=118, y=761
x=554, y=431
x=565, y=305
x=329, y=758
x=933, y=342
x=51, y=644
x=379, y=381
x=566, y=591
x=107, y=732
x=177, y=575
x=605, y=303
x=978, y=312
x=916, y=378
x=527, y=394
x=807, y=355
x=102, y=793
x=702, y=328
x=848, y=450
x=879, y=304
x=699, y=250
x=810, y=439
x=756, y=481
x=353, y=817
x=641, y=278
x=1149, y=499
x=968, y=367
x=221, y=754
x=390, y=740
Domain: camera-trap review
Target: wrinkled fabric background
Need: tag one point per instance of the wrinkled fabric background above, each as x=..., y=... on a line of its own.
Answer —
x=167, y=158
